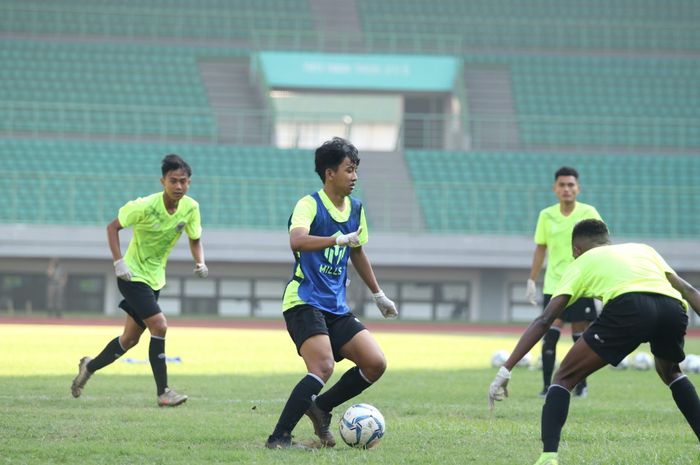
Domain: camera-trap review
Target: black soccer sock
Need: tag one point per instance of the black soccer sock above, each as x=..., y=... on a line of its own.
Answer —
x=549, y=354
x=156, y=355
x=112, y=351
x=687, y=401
x=554, y=413
x=348, y=386
x=297, y=404
x=576, y=337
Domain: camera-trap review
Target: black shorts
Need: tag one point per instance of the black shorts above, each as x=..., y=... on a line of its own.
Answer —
x=304, y=321
x=581, y=310
x=631, y=319
x=140, y=300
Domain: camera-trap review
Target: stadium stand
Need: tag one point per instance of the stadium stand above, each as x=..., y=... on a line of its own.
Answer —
x=604, y=101
x=98, y=89
x=541, y=25
x=499, y=192
x=78, y=182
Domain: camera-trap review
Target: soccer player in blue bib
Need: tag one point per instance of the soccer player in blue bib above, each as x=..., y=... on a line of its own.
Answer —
x=326, y=229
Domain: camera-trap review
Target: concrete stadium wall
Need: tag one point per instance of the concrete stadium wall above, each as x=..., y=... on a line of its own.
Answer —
x=492, y=269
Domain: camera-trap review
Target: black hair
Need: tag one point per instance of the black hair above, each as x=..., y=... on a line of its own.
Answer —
x=174, y=162
x=594, y=230
x=566, y=171
x=332, y=153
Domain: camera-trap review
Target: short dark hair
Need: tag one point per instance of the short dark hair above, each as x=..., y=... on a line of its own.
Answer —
x=592, y=229
x=566, y=171
x=332, y=153
x=174, y=162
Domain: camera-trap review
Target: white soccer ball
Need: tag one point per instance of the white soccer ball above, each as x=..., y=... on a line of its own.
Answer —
x=536, y=363
x=362, y=426
x=624, y=363
x=691, y=364
x=524, y=362
x=499, y=358
x=642, y=361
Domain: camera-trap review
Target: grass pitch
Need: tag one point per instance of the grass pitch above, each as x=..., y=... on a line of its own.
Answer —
x=433, y=397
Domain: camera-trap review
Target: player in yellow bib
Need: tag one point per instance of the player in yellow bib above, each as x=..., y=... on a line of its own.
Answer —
x=158, y=221
x=553, y=238
x=643, y=301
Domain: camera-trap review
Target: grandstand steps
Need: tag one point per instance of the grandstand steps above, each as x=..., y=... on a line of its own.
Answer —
x=339, y=23
x=237, y=104
x=391, y=206
x=491, y=108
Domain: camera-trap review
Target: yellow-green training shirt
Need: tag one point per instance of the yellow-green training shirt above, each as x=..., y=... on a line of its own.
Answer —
x=608, y=271
x=155, y=233
x=302, y=217
x=554, y=231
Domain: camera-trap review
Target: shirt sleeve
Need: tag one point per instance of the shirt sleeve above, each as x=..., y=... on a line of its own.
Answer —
x=594, y=214
x=131, y=213
x=661, y=262
x=570, y=283
x=303, y=214
x=193, y=227
x=540, y=232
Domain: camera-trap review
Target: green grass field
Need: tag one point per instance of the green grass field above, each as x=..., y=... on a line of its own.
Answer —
x=433, y=397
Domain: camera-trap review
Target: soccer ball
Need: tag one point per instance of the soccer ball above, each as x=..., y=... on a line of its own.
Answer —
x=691, y=364
x=362, y=426
x=642, y=361
x=499, y=358
x=624, y=363
x=524, y=362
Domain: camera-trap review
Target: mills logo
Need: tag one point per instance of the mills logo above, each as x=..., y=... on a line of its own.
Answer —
x=334, y=255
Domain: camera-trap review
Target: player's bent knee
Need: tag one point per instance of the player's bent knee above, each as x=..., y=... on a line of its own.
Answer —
x=374, y=370
x=323, y=369
x=129, y=342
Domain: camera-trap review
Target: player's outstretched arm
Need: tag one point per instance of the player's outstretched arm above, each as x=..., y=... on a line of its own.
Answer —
x=689, y=293
x=536, y=329
x=364, y=269
x=498, y=390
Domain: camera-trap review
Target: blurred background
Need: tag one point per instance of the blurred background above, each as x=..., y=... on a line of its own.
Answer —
x=462, y=111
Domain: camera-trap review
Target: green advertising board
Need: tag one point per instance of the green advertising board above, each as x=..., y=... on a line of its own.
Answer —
x=417, y=73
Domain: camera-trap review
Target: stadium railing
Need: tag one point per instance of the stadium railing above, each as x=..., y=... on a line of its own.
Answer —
x=290, y=29
x=449, y=207
x=418, y=130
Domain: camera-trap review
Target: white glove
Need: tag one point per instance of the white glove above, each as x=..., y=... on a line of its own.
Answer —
x=201, y=270
x=352, y=239
x=499, y=387
x=385, y=305
x=531, y=292
x=122, y=271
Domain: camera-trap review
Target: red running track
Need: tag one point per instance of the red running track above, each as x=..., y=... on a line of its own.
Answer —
x=385, y=326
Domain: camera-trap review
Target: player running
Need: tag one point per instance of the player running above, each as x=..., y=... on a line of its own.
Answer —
x=326, y=229
x=644, y=301
x=158, y=221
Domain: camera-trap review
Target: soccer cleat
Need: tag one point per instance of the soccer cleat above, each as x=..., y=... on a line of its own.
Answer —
x=321, y=421
x=83, y=376
x=283, y=442
x=543, y=394
x=548, y=458
x=170, y=398
x=581, y=390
